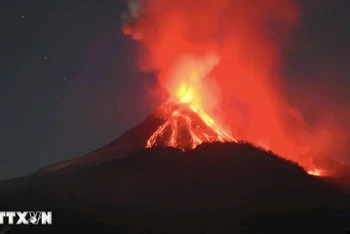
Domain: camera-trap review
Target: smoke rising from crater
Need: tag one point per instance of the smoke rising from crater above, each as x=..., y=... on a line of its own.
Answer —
x=247, y=89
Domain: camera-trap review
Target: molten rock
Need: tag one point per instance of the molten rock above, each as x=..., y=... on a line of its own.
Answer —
x=185, y=126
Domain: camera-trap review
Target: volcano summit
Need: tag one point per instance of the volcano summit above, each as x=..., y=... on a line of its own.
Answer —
x=179, y=125
x=184, y=127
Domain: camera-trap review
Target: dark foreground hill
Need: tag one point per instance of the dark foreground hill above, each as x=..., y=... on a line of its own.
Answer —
x=216, y=188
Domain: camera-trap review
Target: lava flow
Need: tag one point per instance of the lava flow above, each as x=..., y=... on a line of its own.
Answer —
x=186, y=125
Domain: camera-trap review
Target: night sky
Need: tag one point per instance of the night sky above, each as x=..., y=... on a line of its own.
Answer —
x=69, y=79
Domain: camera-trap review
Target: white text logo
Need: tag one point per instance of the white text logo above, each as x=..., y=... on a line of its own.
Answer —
x=26, y=218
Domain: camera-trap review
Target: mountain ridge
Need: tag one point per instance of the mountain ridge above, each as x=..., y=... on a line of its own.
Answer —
x=226, y=181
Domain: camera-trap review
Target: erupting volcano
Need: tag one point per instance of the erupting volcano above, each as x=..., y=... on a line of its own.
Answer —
x=185, y=127
x=185, y=123
x=223, y=73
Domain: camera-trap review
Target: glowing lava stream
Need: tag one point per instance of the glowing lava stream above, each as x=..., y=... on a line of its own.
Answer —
x=186, y=125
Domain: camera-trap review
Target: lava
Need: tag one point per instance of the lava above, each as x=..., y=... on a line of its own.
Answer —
x=185, y=125
x=315, y=172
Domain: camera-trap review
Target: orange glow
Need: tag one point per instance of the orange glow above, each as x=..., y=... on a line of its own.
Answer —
x=188, y=121
x=186, y=125
x=185, y=95
x=315, y=172
x=222, y=60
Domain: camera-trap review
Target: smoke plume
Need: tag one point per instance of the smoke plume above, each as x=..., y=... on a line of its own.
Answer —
x=239, y=46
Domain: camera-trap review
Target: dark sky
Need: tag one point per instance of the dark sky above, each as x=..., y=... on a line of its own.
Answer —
x=69, y=82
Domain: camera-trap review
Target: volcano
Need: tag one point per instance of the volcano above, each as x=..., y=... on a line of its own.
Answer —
x=184, y=127
x=178, y=125
x=177, y=172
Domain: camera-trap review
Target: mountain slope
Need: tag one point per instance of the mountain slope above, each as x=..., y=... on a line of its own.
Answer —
x=131, y=141
x=240, y=170
x=177, y=125
x=218, y=181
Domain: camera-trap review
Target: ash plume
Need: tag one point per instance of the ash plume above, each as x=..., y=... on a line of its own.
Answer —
x=247, y=88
